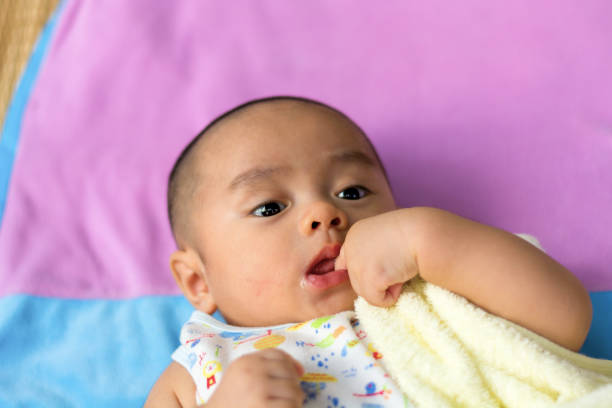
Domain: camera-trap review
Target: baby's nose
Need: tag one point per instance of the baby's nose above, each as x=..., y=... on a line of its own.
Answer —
x=322, y=215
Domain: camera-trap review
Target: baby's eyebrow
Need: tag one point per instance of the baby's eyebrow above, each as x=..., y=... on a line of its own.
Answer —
x=353, y=156
x=257, y=174
x=254, y=175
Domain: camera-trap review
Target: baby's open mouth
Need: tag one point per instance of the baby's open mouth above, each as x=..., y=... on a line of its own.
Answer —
x=324, y=261
x=321, y=274
x=323, y=267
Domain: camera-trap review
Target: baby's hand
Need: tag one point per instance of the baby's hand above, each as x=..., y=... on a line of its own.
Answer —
x=267, y=378
x=378, y=256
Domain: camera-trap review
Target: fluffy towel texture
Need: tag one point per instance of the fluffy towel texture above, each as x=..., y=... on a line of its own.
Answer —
x=444, y=351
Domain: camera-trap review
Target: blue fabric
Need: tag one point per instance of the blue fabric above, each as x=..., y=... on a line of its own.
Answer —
x=14, y=115
x=599, y=341
x=77, y=353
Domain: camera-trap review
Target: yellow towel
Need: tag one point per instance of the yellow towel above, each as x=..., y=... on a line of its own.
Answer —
x=444, y=351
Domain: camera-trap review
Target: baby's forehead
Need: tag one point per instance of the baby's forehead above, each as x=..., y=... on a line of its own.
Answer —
x=279, y=122
x=275, y=114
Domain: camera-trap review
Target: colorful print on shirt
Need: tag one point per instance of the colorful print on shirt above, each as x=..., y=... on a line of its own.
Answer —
x=342, y=369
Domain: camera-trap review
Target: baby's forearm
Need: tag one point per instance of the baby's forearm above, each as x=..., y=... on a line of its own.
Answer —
x=499, y=272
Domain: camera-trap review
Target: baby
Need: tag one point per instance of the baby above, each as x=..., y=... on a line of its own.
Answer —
x=283, y=214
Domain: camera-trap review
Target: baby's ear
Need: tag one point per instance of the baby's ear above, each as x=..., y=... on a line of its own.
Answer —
x=188, y=271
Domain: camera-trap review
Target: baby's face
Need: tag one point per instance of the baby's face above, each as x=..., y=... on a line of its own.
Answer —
x=281, y=185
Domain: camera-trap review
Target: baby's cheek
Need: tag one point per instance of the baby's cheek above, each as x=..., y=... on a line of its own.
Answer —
x=261, y=287
x=260, y=290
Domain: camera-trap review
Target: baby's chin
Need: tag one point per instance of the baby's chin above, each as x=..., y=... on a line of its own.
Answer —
x=340, y=301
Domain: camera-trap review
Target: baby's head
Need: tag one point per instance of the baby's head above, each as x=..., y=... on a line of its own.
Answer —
x=260, y=203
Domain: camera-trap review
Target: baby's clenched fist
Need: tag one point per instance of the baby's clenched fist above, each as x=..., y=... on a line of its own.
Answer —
x=379, y=254
x=267, y=378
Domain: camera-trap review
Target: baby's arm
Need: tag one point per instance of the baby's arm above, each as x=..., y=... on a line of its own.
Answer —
x=494, y=269
x=174, y=389
x=267, y=378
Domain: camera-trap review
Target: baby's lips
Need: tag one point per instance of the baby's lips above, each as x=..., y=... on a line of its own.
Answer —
x=340, y=262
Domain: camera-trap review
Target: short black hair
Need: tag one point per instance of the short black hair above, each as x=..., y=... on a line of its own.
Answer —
x=180, y=188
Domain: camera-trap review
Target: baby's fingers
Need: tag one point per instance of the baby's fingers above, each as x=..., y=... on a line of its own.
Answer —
x=392, y=294
x=281, y=364
x=287, y=391
x=283, y=372
x=379, y=291
x=290, y=370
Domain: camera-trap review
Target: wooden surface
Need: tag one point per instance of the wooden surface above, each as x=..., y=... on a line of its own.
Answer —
x=21, y=22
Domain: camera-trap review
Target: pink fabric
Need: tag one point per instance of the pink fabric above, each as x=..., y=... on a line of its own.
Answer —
x=498, y=112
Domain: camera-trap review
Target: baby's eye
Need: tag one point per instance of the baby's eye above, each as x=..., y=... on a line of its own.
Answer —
x=353, y=193
x=268, y=209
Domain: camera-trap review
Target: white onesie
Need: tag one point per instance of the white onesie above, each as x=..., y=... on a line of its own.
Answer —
x=342, y=369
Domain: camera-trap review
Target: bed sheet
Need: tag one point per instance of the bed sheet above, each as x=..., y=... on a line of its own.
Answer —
x=498, y=113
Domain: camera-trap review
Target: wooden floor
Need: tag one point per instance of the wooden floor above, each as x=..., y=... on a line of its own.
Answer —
x=20, y=24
